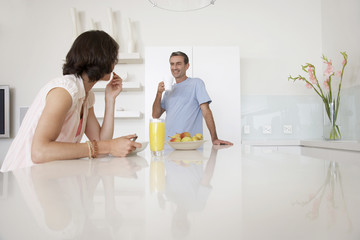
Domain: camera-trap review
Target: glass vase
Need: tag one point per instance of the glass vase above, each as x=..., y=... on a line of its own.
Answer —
x=331, y=127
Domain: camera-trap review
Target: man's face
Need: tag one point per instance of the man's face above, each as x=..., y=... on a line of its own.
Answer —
x=178, y=67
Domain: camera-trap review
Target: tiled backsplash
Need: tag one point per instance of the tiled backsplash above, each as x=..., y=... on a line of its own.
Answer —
x=297, y=117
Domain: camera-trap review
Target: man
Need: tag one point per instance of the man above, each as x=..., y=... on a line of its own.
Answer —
x=186, y=103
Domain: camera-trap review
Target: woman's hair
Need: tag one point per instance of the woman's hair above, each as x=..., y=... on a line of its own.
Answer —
x=93, y=52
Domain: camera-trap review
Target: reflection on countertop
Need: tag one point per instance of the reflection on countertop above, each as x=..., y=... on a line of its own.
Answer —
x=63, y=195
x=216, y=192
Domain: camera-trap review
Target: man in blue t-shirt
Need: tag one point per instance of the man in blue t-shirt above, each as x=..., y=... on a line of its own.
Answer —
x=186, y=103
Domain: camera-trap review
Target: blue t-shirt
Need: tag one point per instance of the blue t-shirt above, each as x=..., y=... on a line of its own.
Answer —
x=182, y=106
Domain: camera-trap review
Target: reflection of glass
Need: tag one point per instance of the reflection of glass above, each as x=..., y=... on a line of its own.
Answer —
x=188, y=177
x=157, y=174
x=333, y=190
x=157, y=136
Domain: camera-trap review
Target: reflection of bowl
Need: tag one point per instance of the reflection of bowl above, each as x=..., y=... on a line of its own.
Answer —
x=189, y=156
x=186, y=145
x=144, y=145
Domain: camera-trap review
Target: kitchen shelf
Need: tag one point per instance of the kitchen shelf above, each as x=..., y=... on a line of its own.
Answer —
x=122, y=114
x=127, y=86
x=124, y=58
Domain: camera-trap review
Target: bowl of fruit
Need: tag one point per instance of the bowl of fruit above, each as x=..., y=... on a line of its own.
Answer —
x=184, y=141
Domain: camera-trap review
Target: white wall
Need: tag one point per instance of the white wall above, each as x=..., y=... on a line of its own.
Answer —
x=274, y=38
x=341, y=32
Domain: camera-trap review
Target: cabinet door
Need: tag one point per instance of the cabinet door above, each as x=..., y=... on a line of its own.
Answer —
x=219, y=68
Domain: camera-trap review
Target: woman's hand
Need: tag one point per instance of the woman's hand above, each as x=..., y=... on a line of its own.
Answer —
x=114, y=87
x=122, y=146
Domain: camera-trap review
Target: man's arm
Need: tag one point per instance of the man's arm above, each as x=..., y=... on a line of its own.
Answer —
x=210, y=123
x=157, y=110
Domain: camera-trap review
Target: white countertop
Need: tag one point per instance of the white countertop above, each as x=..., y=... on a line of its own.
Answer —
x=341, y=145
x=233, y=193
x=338, y=144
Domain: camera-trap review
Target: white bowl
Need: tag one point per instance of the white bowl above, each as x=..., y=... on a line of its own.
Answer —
x=144, y=145
x=192, y=145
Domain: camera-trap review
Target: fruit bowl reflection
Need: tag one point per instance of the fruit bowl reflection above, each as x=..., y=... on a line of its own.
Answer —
x=186, y=145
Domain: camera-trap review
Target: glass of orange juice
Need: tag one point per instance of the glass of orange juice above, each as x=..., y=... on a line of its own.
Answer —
x=157, y=136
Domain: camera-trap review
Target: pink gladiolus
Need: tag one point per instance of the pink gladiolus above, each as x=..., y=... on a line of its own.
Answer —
x=329, y=69
x=311, y=196
x=326, y=84
x=308, y=85
x=339, y=73
x=311, y=75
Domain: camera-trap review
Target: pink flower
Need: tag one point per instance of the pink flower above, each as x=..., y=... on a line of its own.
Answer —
x=326, y=84
x=343, y=63
x=329, y=69
x=311, y=75
x=339, y=73
x=311, y=196
x=308, y=85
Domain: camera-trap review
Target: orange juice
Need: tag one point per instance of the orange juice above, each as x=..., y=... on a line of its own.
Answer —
x=157, y=135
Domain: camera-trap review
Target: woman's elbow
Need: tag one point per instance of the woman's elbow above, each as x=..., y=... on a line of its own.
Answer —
x=37, y=155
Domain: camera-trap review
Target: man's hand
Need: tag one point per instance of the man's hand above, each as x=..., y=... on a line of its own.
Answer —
x=161, y=87
x=157, y=110
x=222, y=142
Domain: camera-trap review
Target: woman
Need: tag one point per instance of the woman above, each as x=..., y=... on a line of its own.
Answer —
x=63, y=110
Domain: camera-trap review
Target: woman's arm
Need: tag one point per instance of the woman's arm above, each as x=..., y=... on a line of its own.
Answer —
x=121, y=146
x=44, y=148
x=93, y=130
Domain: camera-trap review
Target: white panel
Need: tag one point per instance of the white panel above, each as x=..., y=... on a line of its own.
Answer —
x=22, y=112
x=219, y=68
x=157, y=68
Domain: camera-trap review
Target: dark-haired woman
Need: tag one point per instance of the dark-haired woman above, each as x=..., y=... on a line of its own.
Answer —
x=63, y=110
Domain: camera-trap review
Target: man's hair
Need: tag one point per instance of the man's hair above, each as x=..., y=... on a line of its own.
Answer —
x=93, y=52
x=178, y=53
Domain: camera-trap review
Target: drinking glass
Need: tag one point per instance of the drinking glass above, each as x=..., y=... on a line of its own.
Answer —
x=157, y=136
